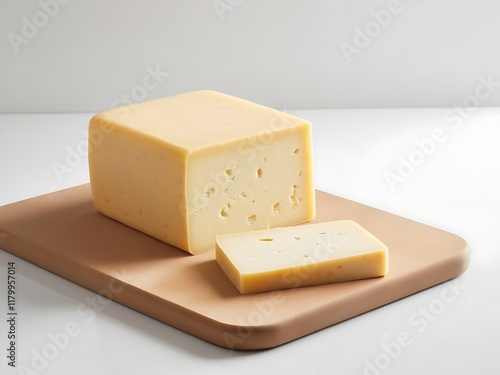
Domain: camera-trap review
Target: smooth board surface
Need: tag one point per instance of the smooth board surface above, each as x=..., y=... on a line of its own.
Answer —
x=63, y=233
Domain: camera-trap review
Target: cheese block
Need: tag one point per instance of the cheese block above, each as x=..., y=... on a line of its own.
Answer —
x=189, y=167
x=300, y=256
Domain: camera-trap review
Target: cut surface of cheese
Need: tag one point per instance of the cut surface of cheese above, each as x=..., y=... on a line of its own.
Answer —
x=186, y=168
x=304, y=255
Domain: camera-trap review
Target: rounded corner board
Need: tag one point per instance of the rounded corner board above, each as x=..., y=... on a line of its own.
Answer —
x=63, y=233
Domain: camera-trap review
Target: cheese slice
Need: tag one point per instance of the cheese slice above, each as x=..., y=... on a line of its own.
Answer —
x=189, y=167
x=300, y=256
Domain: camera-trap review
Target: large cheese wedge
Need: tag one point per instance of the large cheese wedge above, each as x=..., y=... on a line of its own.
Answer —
x=189, y=167
x=299, y=256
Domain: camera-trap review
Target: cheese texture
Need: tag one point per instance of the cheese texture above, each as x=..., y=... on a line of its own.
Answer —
x=186, y=168
x=299, y=256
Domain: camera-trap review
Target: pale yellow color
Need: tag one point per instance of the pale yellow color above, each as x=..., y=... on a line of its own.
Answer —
x=186, y=168
x=304, y=255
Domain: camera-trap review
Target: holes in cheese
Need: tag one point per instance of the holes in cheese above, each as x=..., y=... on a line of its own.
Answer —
x=201, y=164
x=209, y=192
x=225, y=211
x=251, y=219
x=300, y=256
x=293, y=197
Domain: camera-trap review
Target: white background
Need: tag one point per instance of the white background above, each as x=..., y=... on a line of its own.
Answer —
x=281, y=53
x=92, y=54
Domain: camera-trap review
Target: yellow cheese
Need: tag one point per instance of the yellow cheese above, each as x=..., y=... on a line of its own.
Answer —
x=299, y=256
x=186, y=168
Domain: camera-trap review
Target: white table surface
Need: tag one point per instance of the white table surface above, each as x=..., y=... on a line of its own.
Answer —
x=455, y=187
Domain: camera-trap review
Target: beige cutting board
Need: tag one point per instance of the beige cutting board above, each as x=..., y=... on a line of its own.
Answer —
x=63, y=233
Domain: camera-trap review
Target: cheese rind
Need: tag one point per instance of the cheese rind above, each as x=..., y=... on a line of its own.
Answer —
x=300, y=256
x=186, y=168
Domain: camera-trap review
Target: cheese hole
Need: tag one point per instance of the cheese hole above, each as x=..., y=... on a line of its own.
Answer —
x=225, y=211
x=209, y=192
x=243, y=194
x=251, y=219
x=296, y=238
x=276, y=208
x=322, y=232
x=259, y=173
x=293, y=197
x=266, y=239
x=299, y=173
x=296, y=151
